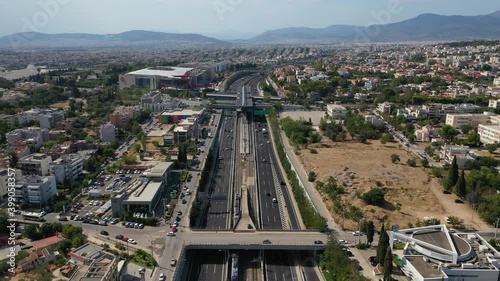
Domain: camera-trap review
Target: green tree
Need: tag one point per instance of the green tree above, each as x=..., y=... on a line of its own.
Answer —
x=460, y=187
x=383, y=245
x=452, y=178
x=473, y=138
x=31, y=231
x=492, y=147
x=424, y=162
x=395, y=158
x=456, y=222
x=64, y=246
x=374, y=197
x=466, y=128
x=370, y=232
x=448, y=133
x=388, y=266
x=411, y=162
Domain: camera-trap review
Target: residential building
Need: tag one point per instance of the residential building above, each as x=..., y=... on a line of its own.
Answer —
x=384, y=107
x=38, y=258
x=7, y=176
x=67, y=168
x=458, y=120
x=425, y=133
x=122, y=115
x=108, y=133
x=496, y=81
x=35, y=189
x=374, y=120
x=494, y=103
x=95, y=264
x=489, y=133
x=436, y=253
x=35, y=164
x=336, y=111
x=34, y=135
x=50, y=119
x=463, y=155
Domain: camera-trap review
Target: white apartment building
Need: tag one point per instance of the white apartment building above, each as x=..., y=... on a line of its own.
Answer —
x=494, y=103
x=69, y=167
x=384, y=107
x=5, y=175
x=496, y=81
x=108, y=133
x=35, y=164
x=489, y=133
x=35, y=189
x=458, y=120
x=462, y=154
x=336, y=111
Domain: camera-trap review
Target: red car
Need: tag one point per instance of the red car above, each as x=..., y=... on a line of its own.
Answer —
x=125, y=239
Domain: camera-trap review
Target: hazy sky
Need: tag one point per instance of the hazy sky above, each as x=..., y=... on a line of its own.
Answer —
x=214, y=16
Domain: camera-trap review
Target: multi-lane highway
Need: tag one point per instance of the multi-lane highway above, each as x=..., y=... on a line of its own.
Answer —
x=218, y=213
x=279, y=266
x=269, y=176
x=207, y=265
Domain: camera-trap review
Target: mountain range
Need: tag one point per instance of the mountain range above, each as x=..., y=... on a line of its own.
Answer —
x=425, y=27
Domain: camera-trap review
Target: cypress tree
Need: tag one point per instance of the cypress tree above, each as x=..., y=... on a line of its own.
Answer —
x=460, y=187
x=388, y=264
x=383, y=243
x=452, y=178
x=370, y=231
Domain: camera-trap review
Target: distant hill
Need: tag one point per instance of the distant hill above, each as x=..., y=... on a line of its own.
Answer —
x=425, y=27
x=134, y=38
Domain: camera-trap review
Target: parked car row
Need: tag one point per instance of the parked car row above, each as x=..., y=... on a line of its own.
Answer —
x=133, y=225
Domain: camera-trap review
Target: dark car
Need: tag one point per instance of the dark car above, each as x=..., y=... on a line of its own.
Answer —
x=458, y=201
x=266, y=242
x=373, y=261
x=119, y=236
x=104, y=232
x=63, y=218
x=184, y=201
x=318, y=242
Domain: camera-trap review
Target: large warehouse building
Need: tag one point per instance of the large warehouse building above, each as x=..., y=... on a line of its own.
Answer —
x=166, y=77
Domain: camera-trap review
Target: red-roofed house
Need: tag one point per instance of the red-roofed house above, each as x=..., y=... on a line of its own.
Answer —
x=37, y=258
x=47, y=242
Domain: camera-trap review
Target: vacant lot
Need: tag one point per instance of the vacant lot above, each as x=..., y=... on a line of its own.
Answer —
x=411, y=194
x=296, y=115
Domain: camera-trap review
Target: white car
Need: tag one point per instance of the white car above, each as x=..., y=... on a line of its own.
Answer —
x=357, y=233
x=342, y=241
x=132, y=241
x=162, y=276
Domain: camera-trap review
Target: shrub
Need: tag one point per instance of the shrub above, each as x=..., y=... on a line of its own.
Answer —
x=313, y=151
x=374, y=197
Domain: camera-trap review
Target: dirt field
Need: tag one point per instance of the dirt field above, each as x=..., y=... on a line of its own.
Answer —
x=410, y=193
x=314, y=115
x=65, y=105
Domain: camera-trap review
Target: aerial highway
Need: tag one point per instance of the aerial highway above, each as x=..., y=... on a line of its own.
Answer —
x=218, y=215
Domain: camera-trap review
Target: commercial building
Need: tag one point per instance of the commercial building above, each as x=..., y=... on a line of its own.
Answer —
x=108, y=133
x=177, y=115
x=458, y=120
x=35, y=189
x=436, y=253
x=35, y=164
x=67, y=168
x=95, y=264
x=143, y=197
x=489, y=133
x=336, y=111
x=167, y=77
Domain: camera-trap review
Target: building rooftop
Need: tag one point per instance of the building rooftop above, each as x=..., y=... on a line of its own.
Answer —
x=166, y=71
x=427, y=270
x=160, y=169
x=87, y=250
x=145, y=194
x=47, y=242
x=183, y=112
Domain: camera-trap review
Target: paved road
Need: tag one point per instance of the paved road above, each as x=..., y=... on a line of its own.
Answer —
x=218, y=214
x=269, y=210
x=207, y=266
x=279, y=266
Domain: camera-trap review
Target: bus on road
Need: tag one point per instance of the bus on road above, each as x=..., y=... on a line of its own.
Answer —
x=31, y=216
